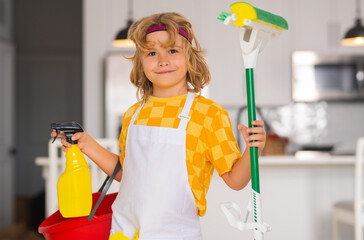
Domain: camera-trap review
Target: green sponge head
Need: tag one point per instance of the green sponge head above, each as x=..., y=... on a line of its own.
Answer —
x=244, y=11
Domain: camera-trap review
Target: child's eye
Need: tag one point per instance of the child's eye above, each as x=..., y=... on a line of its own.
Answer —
x=173, y=51
x=152, y=53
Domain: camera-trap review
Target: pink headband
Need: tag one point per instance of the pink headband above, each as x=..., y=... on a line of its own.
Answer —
x=164, y=28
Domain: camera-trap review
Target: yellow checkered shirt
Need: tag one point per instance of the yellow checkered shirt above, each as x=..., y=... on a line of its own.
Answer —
x=210, y=141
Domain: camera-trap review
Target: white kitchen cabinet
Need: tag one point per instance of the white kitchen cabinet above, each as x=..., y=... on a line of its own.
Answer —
x=297, y=198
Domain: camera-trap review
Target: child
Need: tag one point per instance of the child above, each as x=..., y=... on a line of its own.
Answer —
x=172, y=139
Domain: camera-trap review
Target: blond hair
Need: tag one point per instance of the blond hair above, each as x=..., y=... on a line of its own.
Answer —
x=198, y=74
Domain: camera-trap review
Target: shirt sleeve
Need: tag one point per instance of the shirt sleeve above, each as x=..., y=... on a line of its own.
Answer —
x=224, y=149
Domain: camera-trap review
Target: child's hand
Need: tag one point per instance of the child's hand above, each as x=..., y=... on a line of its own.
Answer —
x=81, y=138
x=258, y=137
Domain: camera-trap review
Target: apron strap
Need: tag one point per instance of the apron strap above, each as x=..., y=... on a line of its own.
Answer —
x=185, y=111
x=136, y=114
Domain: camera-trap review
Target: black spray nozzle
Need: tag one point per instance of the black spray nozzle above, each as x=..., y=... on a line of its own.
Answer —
x=68, y=128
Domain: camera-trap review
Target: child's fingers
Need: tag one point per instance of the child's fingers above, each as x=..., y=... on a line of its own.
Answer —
x=258, y=123
x=53, y=133
x=243, y=129
x=65, y=143
x=256, y=144
x=256, y=130
x=64, y=149
x=256, y=137
x=76, y=136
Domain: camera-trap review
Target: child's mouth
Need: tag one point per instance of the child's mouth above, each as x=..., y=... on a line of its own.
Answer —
x=165, y=72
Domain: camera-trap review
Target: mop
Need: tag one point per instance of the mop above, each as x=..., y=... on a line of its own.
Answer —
x=256, y=28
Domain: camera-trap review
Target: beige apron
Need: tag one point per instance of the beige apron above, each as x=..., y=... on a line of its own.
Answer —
x=155, y=197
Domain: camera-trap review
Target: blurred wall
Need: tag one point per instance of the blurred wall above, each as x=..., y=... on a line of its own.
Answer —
x=48, y=39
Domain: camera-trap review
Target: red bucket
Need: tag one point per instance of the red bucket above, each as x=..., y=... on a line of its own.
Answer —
x=55, y=227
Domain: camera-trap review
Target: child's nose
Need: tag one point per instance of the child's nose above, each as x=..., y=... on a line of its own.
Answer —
x=163, y=60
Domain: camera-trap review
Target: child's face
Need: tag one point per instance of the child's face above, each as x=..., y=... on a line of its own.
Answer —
x=165, y=66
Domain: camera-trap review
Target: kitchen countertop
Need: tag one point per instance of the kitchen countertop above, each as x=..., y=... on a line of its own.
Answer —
x=299, y=159
x=307, y=159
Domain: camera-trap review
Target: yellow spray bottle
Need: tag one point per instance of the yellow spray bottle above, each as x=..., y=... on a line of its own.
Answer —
x=74, y=185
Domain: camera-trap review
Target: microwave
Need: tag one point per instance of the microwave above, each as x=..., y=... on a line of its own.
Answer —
x=327, y=77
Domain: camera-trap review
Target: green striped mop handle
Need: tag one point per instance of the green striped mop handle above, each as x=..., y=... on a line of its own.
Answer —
x=256, y=28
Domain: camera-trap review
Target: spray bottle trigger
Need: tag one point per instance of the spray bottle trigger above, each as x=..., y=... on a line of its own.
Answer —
x=54, y=139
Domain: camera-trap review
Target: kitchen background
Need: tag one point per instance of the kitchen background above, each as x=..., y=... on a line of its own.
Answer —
x=56, y=63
